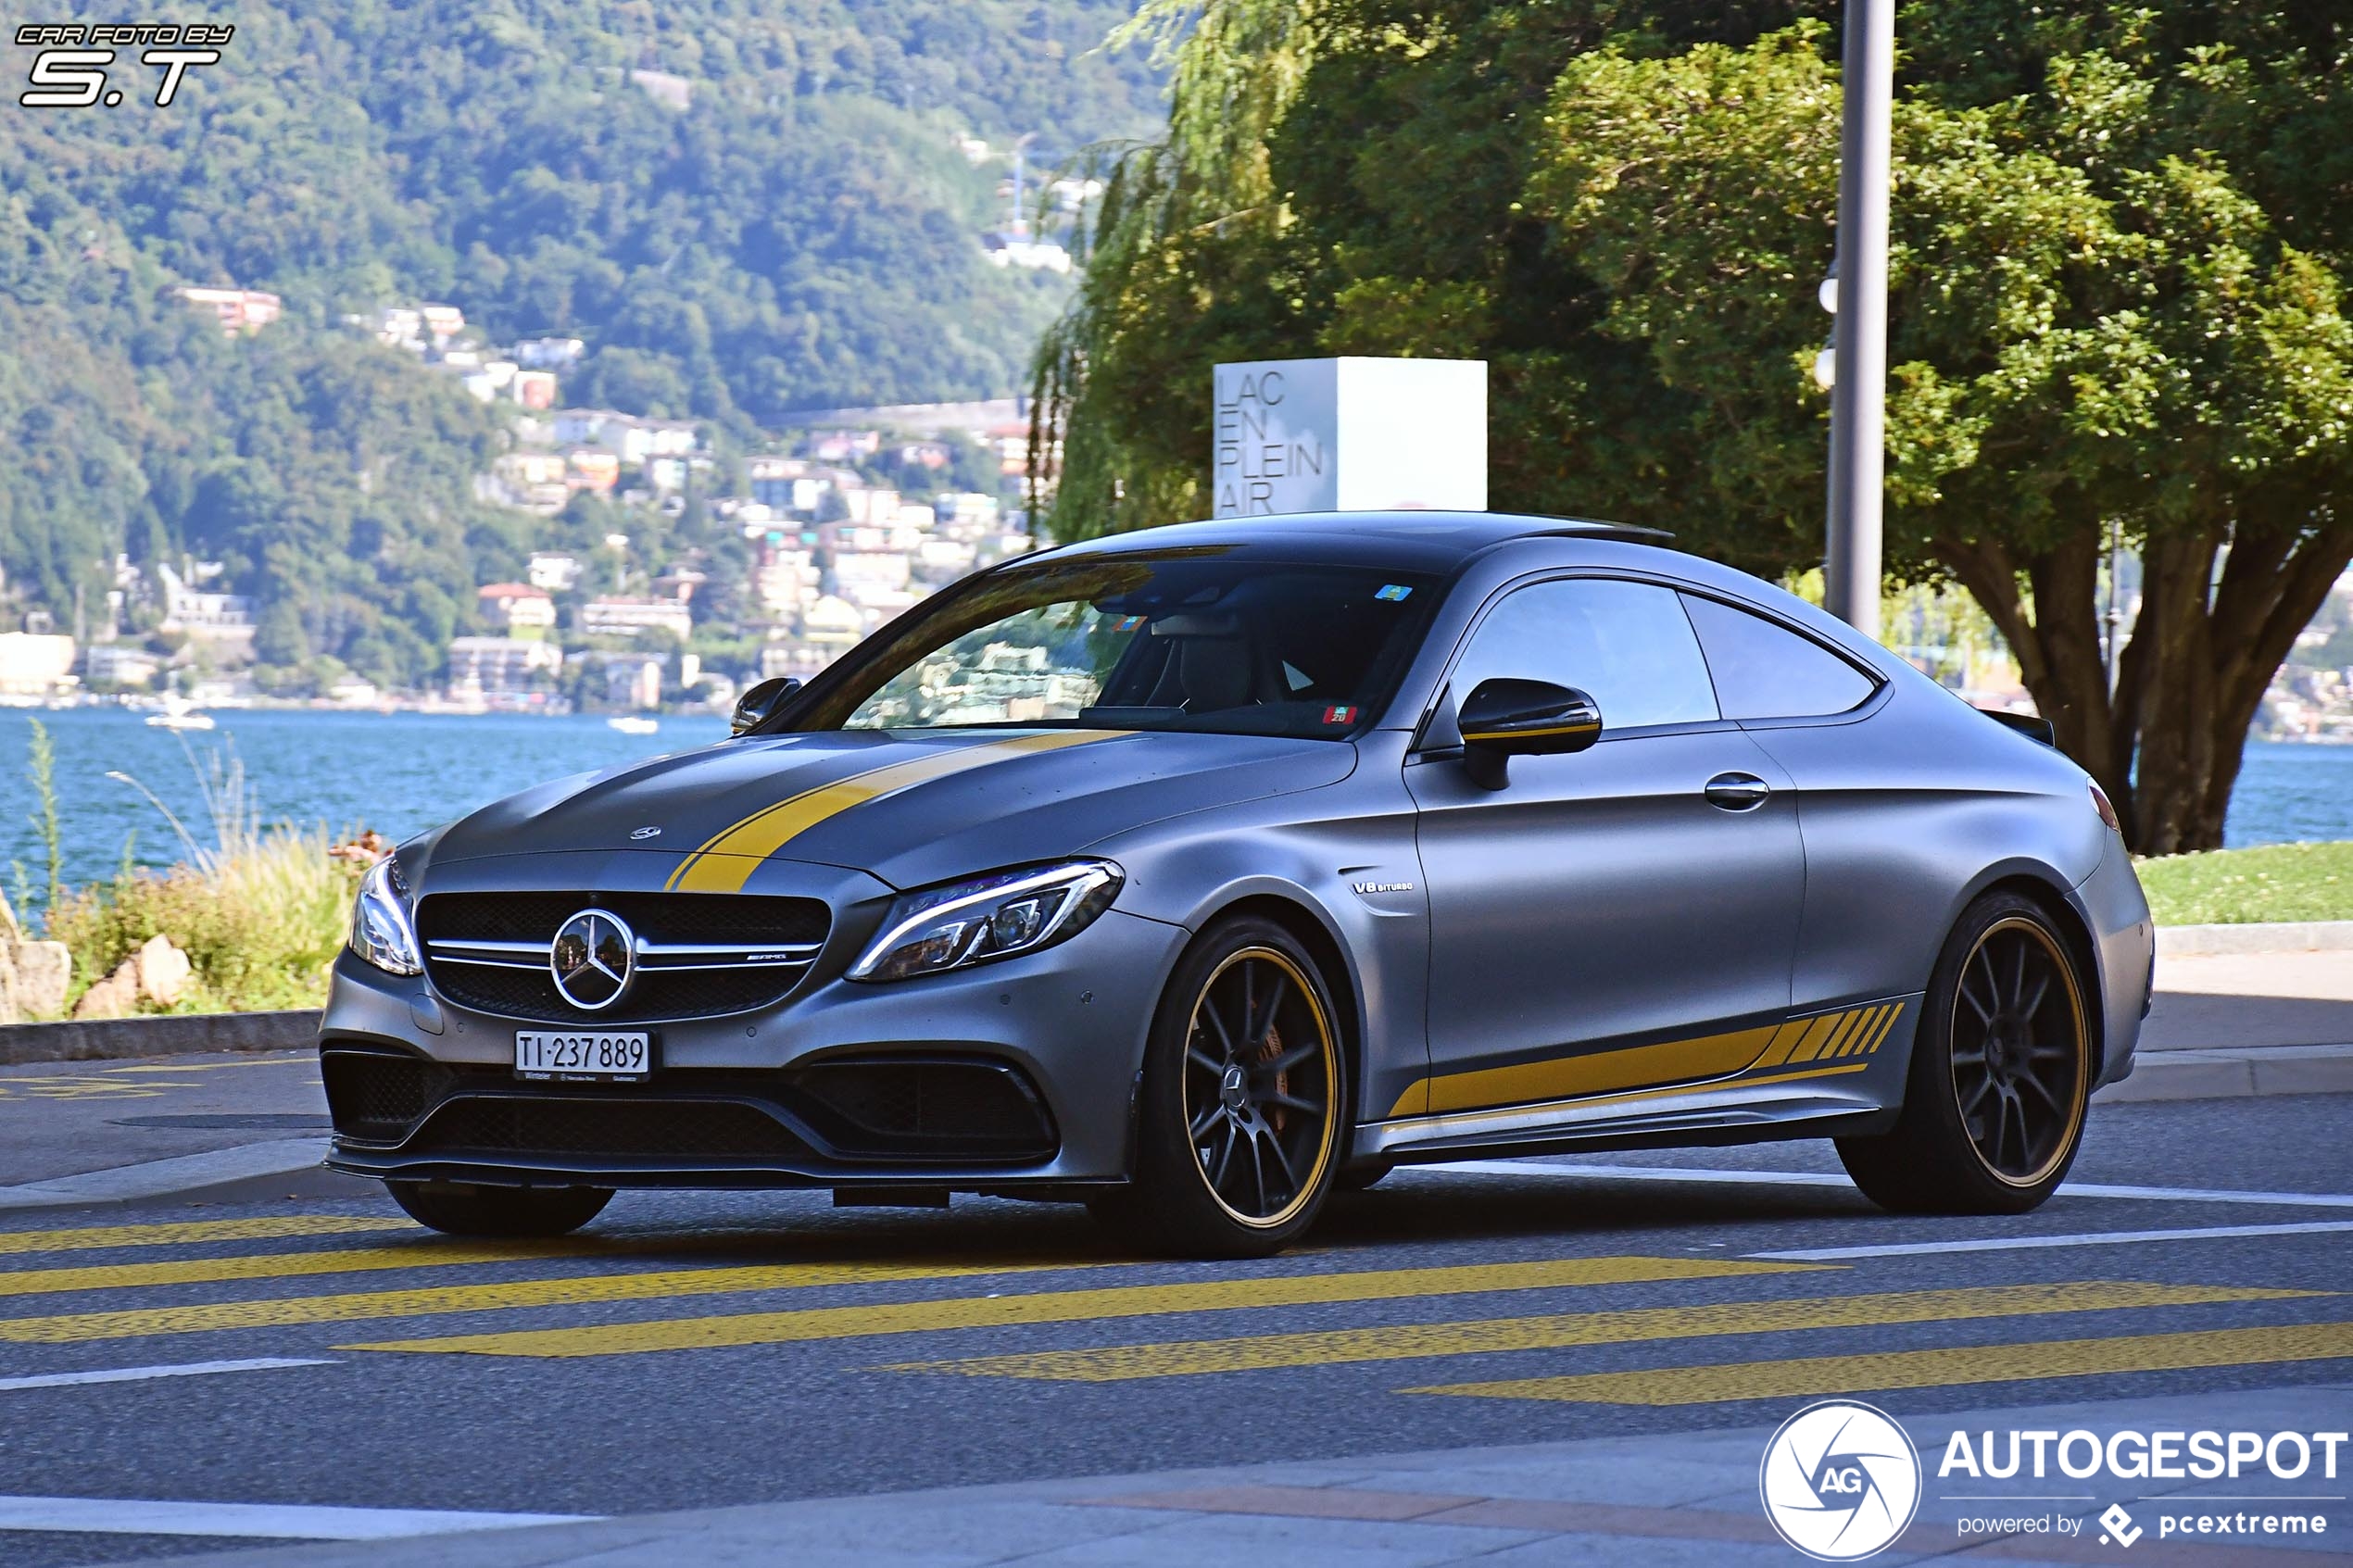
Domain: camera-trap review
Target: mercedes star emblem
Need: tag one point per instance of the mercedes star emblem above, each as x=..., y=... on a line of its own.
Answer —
x=593, y=956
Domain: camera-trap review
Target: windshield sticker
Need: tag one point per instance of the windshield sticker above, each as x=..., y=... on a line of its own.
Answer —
x=1339, y=715
x=1395, y=592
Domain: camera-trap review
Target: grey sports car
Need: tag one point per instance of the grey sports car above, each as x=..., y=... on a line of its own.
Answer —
x=1195, y=873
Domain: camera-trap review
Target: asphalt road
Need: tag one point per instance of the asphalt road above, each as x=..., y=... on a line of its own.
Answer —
x=692, y=1350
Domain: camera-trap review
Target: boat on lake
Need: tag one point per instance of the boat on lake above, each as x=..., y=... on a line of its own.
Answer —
x=179, y=713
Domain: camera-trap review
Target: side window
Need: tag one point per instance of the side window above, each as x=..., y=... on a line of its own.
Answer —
x=1628, y=645
x=1767, y=672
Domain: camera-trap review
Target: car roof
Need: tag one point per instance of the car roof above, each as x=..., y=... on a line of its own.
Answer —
x=1429, y=541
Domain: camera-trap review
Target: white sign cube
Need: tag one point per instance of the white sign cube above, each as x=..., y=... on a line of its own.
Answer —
x=1350, y=434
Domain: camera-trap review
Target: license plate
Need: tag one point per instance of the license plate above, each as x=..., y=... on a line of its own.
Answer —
x=575, y=1054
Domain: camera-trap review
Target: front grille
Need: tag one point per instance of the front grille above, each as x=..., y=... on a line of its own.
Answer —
x=618, y=1129
x=377, y=1095
x=691, y=986
x=925, y=1106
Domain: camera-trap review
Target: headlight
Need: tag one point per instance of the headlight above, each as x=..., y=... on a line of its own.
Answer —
x=989, y=916
x=380, y=932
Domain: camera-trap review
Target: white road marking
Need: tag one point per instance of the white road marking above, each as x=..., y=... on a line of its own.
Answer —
x=1838, y=1179
x=2024, y=1243
x=141, y=1373
x=116, y=1517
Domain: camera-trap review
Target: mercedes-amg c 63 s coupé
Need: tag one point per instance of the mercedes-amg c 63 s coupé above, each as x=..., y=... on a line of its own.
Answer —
x=1195, y=873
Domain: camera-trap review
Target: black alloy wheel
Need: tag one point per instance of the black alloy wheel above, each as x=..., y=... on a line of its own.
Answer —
x=1244, y=1102
x=1259, y=1069
x=2018, y=1051
x=2000, y=1077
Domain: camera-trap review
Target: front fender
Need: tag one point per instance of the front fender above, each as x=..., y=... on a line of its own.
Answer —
x=1311, y=854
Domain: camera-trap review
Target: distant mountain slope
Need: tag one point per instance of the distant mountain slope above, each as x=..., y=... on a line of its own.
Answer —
x=802, y=233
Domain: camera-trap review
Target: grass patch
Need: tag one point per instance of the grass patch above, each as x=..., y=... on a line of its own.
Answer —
x=260, y=912
x=2271, y=882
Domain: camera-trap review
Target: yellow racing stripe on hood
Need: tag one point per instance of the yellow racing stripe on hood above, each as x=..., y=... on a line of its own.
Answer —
x=727, y=861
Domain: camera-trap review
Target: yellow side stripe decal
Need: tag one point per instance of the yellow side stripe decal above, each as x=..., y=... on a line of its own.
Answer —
x=1847, y=1033
x=727, y=860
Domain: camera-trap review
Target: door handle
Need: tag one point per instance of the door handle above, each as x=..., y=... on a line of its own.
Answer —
x=1737, y=791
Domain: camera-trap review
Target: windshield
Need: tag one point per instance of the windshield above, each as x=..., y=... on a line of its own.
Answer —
x=1168, y=643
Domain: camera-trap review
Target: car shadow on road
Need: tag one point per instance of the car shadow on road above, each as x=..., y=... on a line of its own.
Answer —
x=1572, y=1210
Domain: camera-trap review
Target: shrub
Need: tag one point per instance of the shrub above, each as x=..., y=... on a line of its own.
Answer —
x=260, y=912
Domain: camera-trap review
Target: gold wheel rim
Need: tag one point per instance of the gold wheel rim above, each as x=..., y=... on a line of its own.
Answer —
x=2002, y=1064
x=1230, y=1120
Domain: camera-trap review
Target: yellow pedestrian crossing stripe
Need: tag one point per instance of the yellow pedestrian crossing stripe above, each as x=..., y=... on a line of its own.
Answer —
x=579, y=1290
x=87, y=1238
x=1818, y=1375
x=287, y=1265
x=1564, y=1330
x=660, y=1280
x=1076, y=1306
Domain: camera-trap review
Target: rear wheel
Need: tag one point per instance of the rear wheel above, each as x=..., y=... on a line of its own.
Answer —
x=1244, y=1099
x=2001, y=1073
x=455, y=1210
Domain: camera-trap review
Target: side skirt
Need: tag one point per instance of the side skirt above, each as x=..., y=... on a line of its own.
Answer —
x=1789, y=1092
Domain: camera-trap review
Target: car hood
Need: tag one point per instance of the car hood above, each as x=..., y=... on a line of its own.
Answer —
x=911, y=809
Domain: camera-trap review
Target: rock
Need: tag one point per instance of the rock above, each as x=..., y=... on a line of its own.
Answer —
x=44, y=970
x=10, y=1012
x=115, y=997
x=163, y=970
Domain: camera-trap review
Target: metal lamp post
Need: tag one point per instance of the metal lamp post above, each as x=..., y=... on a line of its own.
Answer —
x=1859, y=398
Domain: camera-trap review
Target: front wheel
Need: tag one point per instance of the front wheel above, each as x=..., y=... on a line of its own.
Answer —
x=455, y=1210
x=2001, y=1073
x=1244, y=1102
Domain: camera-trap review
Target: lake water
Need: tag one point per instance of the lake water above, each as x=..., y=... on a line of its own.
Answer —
x=402, y=772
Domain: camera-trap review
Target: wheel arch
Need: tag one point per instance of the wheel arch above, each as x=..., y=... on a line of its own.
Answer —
x=2046, y=892
x=1309, y=927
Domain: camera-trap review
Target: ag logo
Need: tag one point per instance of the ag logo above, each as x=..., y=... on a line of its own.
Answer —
x=1840, y=1481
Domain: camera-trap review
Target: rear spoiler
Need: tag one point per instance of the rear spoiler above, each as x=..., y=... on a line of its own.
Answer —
x=2027, y=724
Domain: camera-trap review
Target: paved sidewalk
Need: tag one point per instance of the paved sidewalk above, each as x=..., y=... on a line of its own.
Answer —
x=1672, y=1499
x=118, y=1132
x=2247, y=1023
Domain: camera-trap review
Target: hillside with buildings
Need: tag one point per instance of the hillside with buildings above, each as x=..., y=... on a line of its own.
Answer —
x=393, y=307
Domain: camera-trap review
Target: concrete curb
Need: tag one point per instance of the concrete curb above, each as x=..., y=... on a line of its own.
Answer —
x=119, y=1039
x=2283, y=936
x=2235, y=1075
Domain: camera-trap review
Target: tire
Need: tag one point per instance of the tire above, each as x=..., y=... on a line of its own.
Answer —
x=1244, y=1107
x=500, y=1211
x=1995, y=1102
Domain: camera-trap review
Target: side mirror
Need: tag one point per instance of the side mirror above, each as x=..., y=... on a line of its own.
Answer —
x=759, y=702
x=1503, y=719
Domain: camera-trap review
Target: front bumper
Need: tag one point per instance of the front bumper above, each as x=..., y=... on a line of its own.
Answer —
x=1010, y=1073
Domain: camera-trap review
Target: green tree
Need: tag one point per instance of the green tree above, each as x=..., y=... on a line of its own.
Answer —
x=2118, y=266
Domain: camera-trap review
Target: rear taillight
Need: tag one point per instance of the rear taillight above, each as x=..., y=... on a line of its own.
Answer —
x=2107, y=812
